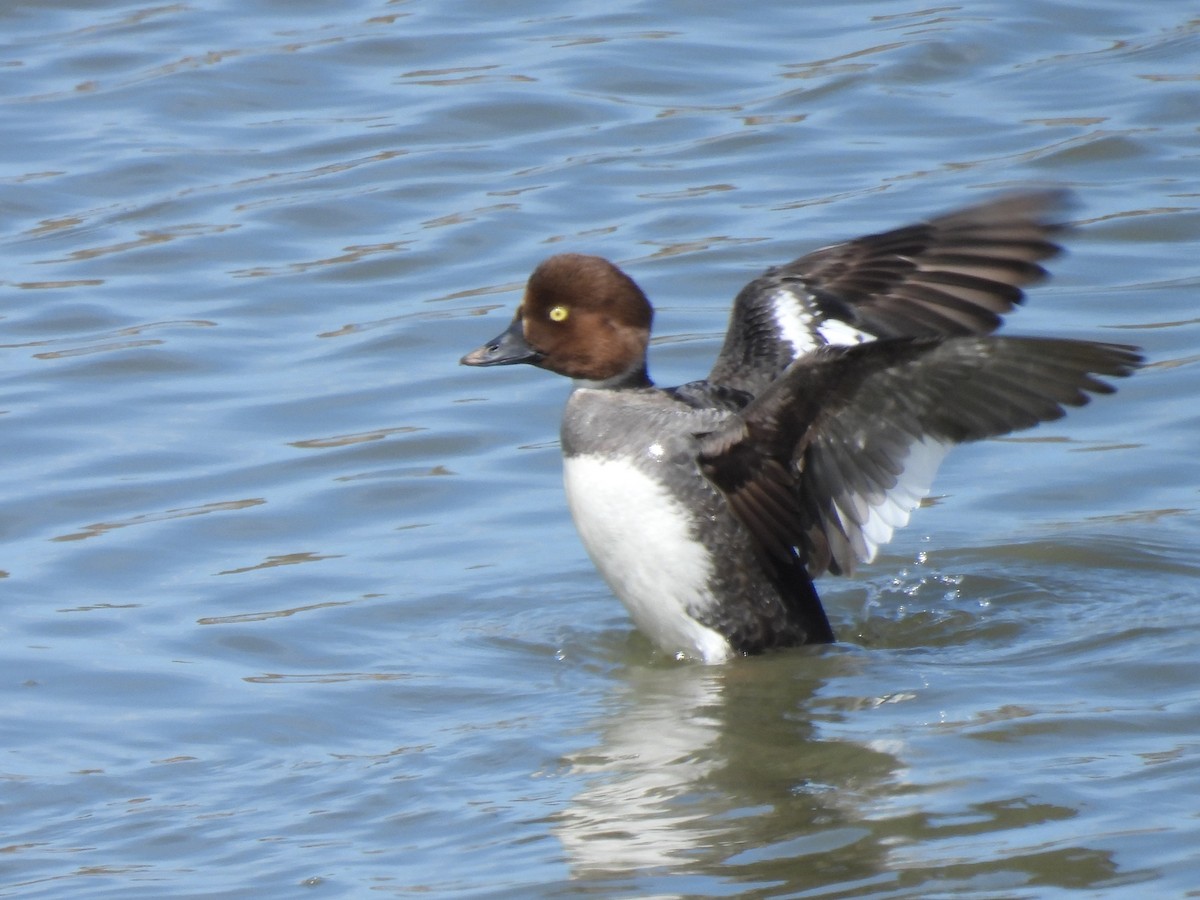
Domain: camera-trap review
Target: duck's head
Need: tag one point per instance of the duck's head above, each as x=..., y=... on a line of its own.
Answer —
x=581, y=317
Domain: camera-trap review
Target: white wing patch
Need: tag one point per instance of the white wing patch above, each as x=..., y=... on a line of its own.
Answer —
x=638, y=536
x=842, y=334
x=803, y=331
x=894, y=509
x=795, y=321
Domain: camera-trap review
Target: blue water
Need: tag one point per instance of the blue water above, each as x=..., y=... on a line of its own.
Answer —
x=291, y=601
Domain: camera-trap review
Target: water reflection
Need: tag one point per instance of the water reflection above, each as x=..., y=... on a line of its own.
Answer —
x=765, y=775
x=722, y=770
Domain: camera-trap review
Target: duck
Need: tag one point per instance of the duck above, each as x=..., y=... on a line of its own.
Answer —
x=844, y=378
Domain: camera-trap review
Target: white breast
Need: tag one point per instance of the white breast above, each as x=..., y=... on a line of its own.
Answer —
x=637, y=534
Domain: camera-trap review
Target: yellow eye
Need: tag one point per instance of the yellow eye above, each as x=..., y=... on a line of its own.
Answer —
x=558, y=313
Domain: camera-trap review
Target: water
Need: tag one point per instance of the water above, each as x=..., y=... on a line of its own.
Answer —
x=292, y=602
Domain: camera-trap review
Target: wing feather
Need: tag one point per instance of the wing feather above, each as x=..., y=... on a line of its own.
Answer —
x=955, y=274
x=831, y=459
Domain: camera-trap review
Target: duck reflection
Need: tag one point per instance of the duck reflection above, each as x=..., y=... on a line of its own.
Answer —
x=721, y=770
x=785, y=775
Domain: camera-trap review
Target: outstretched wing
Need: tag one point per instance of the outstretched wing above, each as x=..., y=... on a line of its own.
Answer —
x=833, y=457
x=956, y=274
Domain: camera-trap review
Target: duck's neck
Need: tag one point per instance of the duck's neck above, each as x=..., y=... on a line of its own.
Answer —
x=634, y=378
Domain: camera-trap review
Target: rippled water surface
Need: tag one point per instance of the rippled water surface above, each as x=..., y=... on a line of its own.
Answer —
x=291, y=601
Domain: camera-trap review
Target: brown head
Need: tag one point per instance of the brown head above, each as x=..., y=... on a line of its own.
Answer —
x=581, y=317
